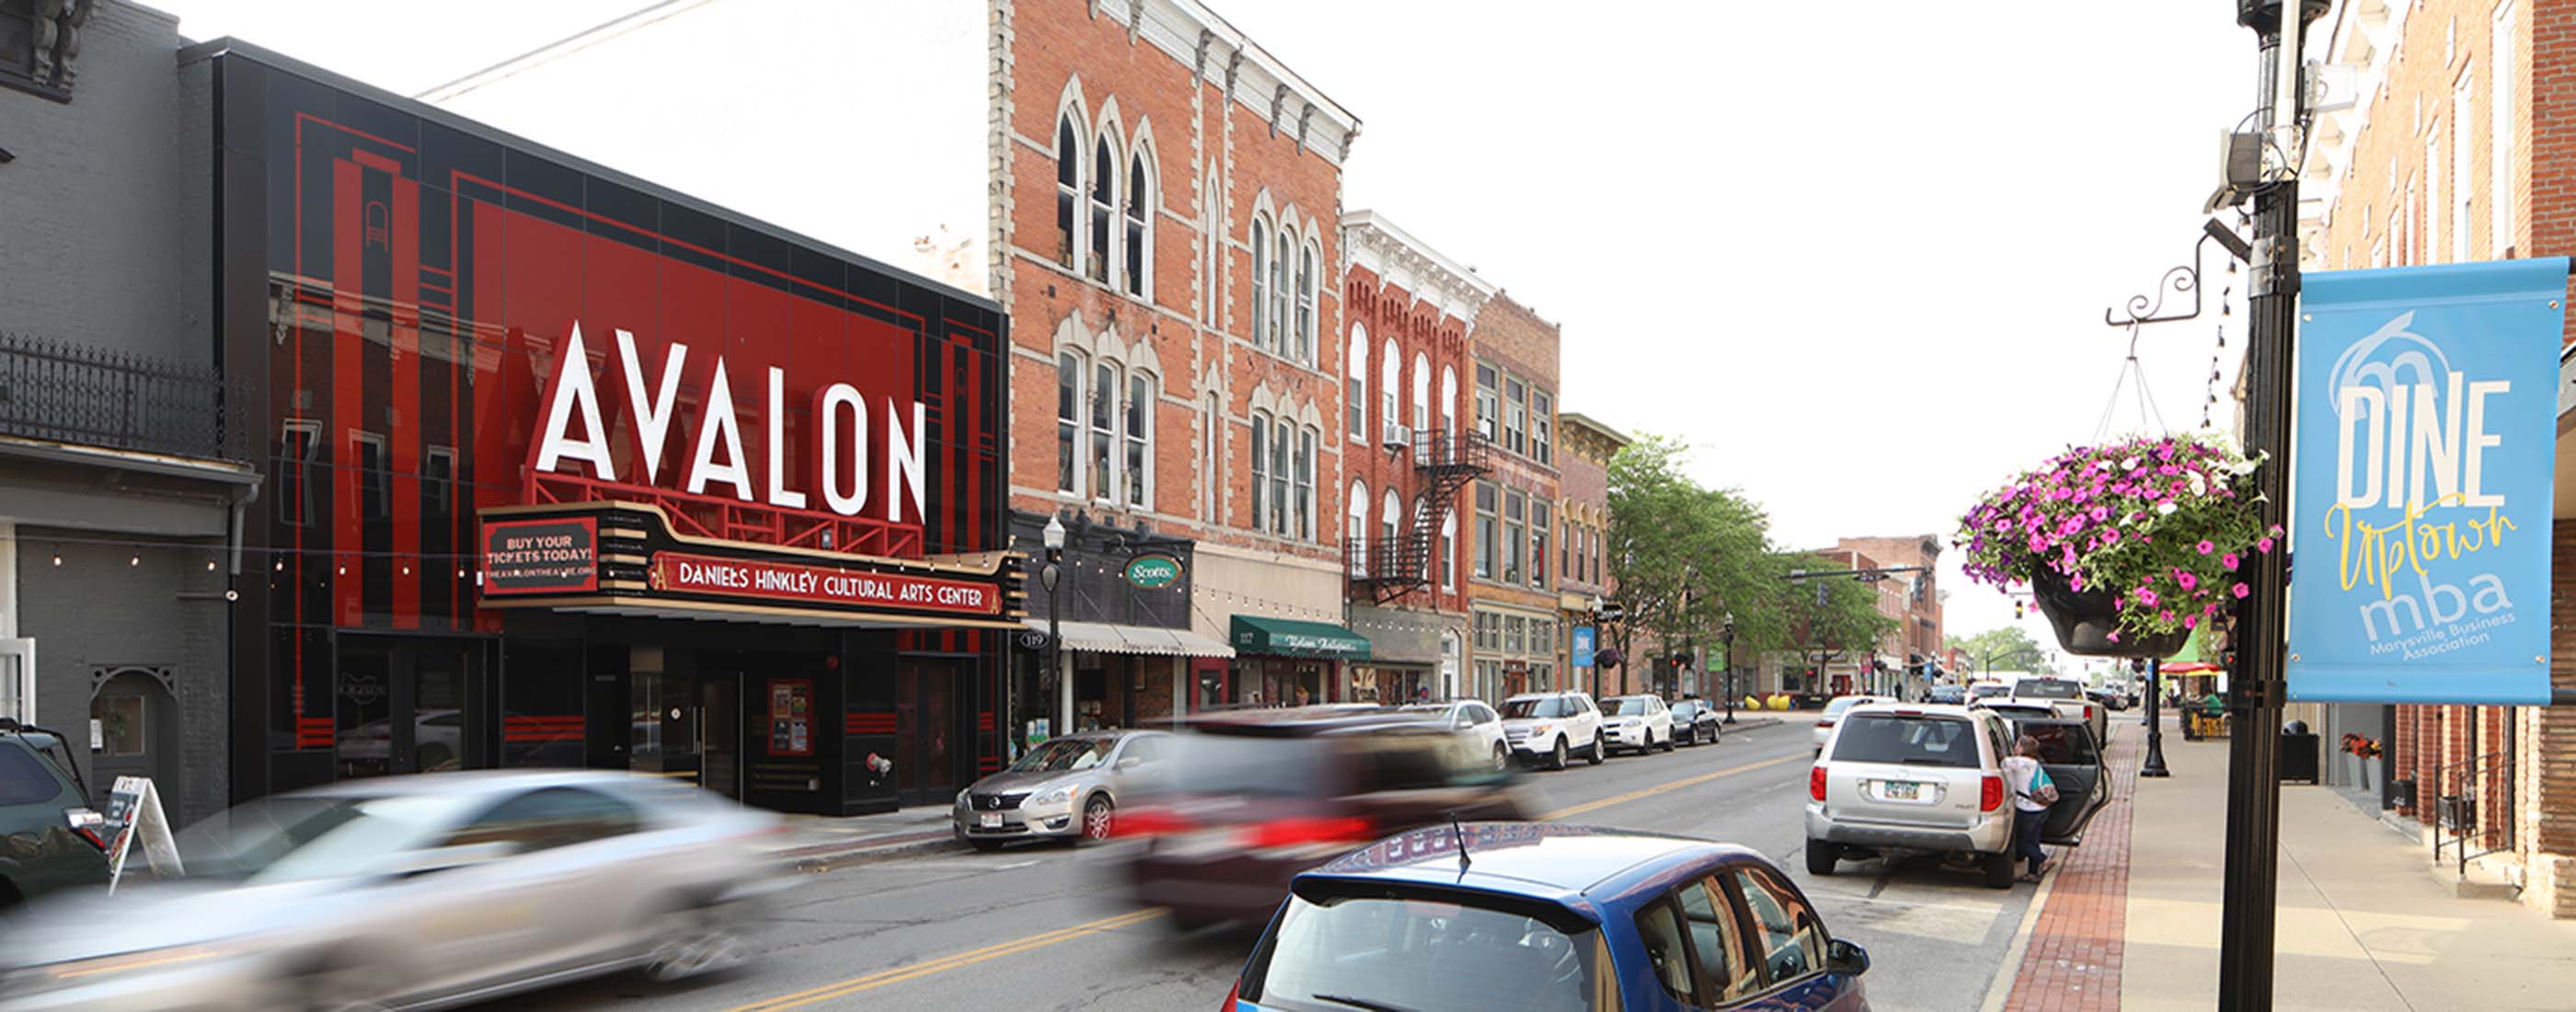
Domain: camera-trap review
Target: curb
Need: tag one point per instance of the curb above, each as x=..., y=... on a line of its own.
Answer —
x=827, y=857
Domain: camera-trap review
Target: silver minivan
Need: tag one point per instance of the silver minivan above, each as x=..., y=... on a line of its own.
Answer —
x=1907, y=777
x=1067, y=786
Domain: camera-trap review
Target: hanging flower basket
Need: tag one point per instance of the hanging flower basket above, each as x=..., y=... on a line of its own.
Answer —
x=2127, y=546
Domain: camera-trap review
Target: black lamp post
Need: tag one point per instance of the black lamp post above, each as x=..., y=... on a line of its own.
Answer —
x=1050, y=576
x=2154, y=766
x=1726, y=632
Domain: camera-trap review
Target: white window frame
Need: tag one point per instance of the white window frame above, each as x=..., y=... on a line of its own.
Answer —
x=1103, y=206
x=1212, y=251
x=1390, y=375
x=1355, y=392
x=1211, y=458
x=1449, y=401
x=1391, y=517
x=1259, y=235
x=1076, y=245
x=1282, y=275
x=1139, y=213
x=1105, y=485
x=1309, y=443
x=1355, y=528
x=1449, y=550
x=1421, y=392
x=1309, y=271
x=1260, y=447
x=1282, y=457
x=1138, y=413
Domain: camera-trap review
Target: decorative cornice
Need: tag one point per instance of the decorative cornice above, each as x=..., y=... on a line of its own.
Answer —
x=1176, y=27
x=1372, y=241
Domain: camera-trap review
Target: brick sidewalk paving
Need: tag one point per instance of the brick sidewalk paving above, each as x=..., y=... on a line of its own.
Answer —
x=2073, y=963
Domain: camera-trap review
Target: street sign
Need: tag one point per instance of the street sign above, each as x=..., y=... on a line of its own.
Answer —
x=1583, y=641
x=1153, y=572
x=2423, y=455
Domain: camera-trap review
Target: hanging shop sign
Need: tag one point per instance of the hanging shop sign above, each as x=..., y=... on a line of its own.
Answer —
x=2423, y=455
x=788, y=581
x=550, y=556
x=1583, y=642
x=1153, y=572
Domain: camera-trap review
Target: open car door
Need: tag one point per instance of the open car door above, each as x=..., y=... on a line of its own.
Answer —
x=2073, y=759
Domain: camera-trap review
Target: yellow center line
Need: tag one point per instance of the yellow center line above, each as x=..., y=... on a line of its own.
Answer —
x=943, y=964
x=947, y=963
x=1572, y=810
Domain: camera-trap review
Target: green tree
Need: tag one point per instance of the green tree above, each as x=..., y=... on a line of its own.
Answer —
x=2006, y=646
x=1683, y=556
x=1831, y=615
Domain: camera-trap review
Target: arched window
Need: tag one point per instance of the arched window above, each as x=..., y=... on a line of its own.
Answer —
x=1260, y=470
x=1069, y=371
x=1355, y=397
x=1104, y=430
x=1140, y=223
x=1141, y=391
x=1421, y=392
x=1211, y=458
x=1390, y=519
x=1283, y=436
x=1355, y=528
x=1260, y=277
x=1104, y=204
x=1390, y=399
x=1305, y=339
x=1273, y=338
x=1449, y=551
x=1449, y=401
x=1305, y=494
x=1211, y=251
x=1068, y=193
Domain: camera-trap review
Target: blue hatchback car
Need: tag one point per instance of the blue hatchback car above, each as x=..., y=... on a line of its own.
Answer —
x=1547, y=918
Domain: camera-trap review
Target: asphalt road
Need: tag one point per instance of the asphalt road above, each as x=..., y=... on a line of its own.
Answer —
x=1039, y=927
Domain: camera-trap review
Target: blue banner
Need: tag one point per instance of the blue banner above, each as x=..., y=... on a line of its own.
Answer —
x=2423, y=455
x=1583, y=646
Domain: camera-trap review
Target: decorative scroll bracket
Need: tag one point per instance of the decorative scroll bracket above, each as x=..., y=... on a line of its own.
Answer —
x=2149, y=307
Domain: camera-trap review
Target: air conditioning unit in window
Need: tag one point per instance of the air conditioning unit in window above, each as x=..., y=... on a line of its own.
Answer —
x=1397, y=435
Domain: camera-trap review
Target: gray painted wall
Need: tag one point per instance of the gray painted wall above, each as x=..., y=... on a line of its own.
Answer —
x=99, y=609
x=109, y=215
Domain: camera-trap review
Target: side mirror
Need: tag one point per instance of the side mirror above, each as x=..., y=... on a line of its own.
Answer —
x=1129, y=763
x=1846, y=958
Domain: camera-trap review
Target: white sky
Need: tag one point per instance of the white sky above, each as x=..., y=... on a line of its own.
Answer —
x=1856, y=253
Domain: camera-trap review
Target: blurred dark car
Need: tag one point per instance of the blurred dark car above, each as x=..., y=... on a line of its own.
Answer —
x=1549, y=918
x=1252, y=798
x=49, y=838
x=1695, y=722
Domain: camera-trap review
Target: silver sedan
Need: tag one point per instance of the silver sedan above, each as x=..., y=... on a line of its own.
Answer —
x=1065, y=787
x=410, y=892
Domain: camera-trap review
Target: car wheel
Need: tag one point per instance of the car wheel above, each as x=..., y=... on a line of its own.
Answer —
x=1098, y=818
x=986, y=846
x=1562, y=757
x=1597, y=751
x=1999, y=870
x=1668, y=743
x=1502, y=757
x=1822, y=856
x=357, y=986
x=695, y=942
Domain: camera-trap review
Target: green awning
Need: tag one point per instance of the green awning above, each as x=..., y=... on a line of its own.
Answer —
x=1291, y=638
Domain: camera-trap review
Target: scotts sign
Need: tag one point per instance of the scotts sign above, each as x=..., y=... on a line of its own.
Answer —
x=850, y=439
x=1153, y=572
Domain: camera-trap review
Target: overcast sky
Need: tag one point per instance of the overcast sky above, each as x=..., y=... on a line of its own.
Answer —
x=1856, y=254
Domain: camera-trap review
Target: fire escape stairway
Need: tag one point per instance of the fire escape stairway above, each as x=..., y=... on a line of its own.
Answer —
x=1444, y=462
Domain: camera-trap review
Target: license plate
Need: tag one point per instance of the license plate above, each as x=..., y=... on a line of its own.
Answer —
x=1902, y=791
x=992, y=820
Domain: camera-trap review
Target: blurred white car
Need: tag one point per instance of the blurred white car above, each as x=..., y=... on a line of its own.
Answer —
x=410, y=892
x=1478, y=728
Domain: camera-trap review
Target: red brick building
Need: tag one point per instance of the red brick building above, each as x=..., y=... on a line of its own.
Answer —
x=1515, y=616
x=1408, y=456
x=1582, y=528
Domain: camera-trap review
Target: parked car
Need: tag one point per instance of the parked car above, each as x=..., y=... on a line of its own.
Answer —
x=1066, y=787
x=1898, y=778
x=2013, y=709
x=1637, y=723
x=1553, y=727
x=1979, y=692
x=1477, y=728
x=1834, y=710
x=1548, y=918
x=2068, y=698
x=1253, y=798
x=2112, y=697
x=1695, y=722
x=49, y=837
x=2074, y=763
x=1947, y=695
x=398, y=892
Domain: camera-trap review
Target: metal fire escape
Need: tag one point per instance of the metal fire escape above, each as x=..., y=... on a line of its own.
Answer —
x=1444, y=462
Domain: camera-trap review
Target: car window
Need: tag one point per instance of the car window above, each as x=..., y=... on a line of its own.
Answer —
x=1542, y=706
x=1411, y=953
x=1659, y=928
x=1484, y=714
x=2064, y=744
x=1144, y=748
x=1717, y=941
x=1915, y=740
x=24, y=779
x=549, y=817
x=1998, y=735
x=1631, y=705
x=1785, y=931
x=1399, y=763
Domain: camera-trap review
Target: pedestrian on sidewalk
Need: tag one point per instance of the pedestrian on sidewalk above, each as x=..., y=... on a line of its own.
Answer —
x=2033, y=792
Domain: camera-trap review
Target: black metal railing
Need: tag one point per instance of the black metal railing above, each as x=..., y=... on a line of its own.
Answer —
x=1388, y=567
x=1452, y=450
x=63, y=392
x=2473, y=808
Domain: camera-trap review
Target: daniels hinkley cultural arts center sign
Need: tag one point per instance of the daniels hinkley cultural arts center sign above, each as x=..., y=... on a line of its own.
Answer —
x=2423, y=457
x=786, y=581
x=555, y=555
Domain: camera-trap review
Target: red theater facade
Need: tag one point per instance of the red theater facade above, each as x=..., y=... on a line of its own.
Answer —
x=568, y=470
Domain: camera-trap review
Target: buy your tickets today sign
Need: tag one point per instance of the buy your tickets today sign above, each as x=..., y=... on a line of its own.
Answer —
x=2423, y=454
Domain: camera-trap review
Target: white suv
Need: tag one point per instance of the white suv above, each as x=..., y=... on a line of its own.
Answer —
x=1642, y=723
x=1477, y=729
x=1552, y=727
x=1903, y=777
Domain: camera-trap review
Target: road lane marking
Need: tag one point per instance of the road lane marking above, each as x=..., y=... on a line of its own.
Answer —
x=943, y=964
x=1588, y=806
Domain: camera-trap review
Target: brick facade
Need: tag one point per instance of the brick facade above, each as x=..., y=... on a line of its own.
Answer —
x=1583, y=531
x=1517, y=350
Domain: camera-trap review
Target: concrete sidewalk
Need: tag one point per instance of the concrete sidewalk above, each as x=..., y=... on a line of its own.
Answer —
x=2361, y=924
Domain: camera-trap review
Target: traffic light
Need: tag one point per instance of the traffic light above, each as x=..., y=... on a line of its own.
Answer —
x=1681, y=659
x=2017, y=611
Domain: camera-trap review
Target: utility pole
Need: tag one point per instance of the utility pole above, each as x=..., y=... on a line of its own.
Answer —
x=2246, y=931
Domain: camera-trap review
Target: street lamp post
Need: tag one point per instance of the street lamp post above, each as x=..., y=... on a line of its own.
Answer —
x=1050, y=576
x=1726, y=631
x=2155, y=762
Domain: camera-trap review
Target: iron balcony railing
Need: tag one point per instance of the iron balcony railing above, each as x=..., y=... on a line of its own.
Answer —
x=62, y=392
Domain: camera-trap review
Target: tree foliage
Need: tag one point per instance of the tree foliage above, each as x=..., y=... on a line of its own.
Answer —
x=2003, y=647
x=1832, y=615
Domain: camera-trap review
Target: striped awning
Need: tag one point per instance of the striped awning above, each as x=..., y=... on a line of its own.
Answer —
x=1104, y=638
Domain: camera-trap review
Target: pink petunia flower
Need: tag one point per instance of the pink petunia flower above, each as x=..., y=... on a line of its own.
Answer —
x=2241, y=590
x=2207, y=547
x=2229, y=560
x=2190, y=621
x=2147, y=597
x=2263, y=544
x=2186, y=580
